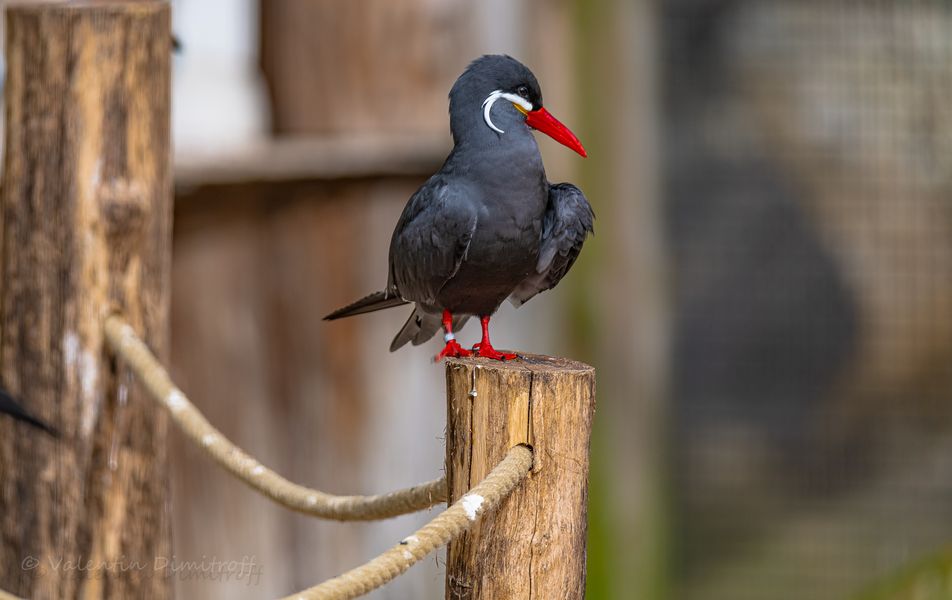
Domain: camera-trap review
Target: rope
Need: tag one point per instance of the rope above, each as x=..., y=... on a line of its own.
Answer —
x=126, y=345
x=438, y=532
x=446, y=526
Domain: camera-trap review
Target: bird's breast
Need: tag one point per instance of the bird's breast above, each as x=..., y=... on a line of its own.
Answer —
x=502, y=253
x=510, y=195
x=509, y=225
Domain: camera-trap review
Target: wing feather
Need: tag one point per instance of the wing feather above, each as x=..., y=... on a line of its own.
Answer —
x=431, y=240
x=567, y=223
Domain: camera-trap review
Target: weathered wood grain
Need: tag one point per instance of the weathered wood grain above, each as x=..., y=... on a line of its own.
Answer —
x=84, y=229
x=533, y=546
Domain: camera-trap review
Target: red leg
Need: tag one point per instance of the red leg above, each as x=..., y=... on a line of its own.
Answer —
x=452, y=348
x=485, y=349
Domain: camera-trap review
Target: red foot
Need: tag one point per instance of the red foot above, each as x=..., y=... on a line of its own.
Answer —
x=484, y=349
x=452, y=350
x=487, y=351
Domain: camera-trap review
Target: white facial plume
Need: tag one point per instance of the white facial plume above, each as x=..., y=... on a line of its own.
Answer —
x=491, y=99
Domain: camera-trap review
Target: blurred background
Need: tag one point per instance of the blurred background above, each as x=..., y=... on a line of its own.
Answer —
x=768, y=299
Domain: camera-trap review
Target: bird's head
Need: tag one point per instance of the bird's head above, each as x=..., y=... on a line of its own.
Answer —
x=505, y=93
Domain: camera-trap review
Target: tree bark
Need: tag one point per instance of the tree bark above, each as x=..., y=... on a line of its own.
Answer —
x=85, y=224
x=533, y=546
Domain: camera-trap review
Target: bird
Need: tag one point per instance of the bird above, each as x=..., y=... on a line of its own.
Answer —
x=12, y=408
x=488, y=225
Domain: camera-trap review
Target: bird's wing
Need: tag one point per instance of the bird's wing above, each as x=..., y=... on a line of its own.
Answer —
x=567, y=222
x=431, y=240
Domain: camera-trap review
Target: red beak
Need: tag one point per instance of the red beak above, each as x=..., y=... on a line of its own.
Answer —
x=542, y=120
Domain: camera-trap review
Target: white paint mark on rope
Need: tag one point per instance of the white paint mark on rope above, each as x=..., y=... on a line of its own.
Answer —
x=410, y=540
x=258, y=470
x=471, y=504
x=176, y=401
x=407, y=555
x=209, y=439
x=312, y=500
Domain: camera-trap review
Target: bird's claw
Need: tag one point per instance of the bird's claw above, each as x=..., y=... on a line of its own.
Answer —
x=486, y=351
x=452, y=350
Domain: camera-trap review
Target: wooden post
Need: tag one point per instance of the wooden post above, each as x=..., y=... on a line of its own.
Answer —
x=85, y=223
x=533, y=546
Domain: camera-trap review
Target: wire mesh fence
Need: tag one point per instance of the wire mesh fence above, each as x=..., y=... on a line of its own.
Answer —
x=809, y=195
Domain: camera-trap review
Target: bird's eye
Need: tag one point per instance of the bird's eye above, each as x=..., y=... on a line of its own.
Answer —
x=523, y=91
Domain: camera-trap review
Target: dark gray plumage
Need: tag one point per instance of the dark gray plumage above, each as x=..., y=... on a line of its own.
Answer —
x=488, y=225
x=568, y=221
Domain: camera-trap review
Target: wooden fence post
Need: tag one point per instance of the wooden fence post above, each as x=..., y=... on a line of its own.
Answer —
x=533, y=546
x=85, y=225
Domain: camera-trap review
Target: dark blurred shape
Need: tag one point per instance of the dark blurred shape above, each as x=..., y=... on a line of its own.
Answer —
x=11, y=407
x=764, y=323
x=807, y=176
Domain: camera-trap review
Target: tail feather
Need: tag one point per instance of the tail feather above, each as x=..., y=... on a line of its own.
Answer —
x=10, y=407
x=371, y=303
x=421, y=326
x=410, y=329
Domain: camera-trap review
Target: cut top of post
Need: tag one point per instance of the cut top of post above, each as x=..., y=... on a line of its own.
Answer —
x=519, y=400
x=526, y=362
